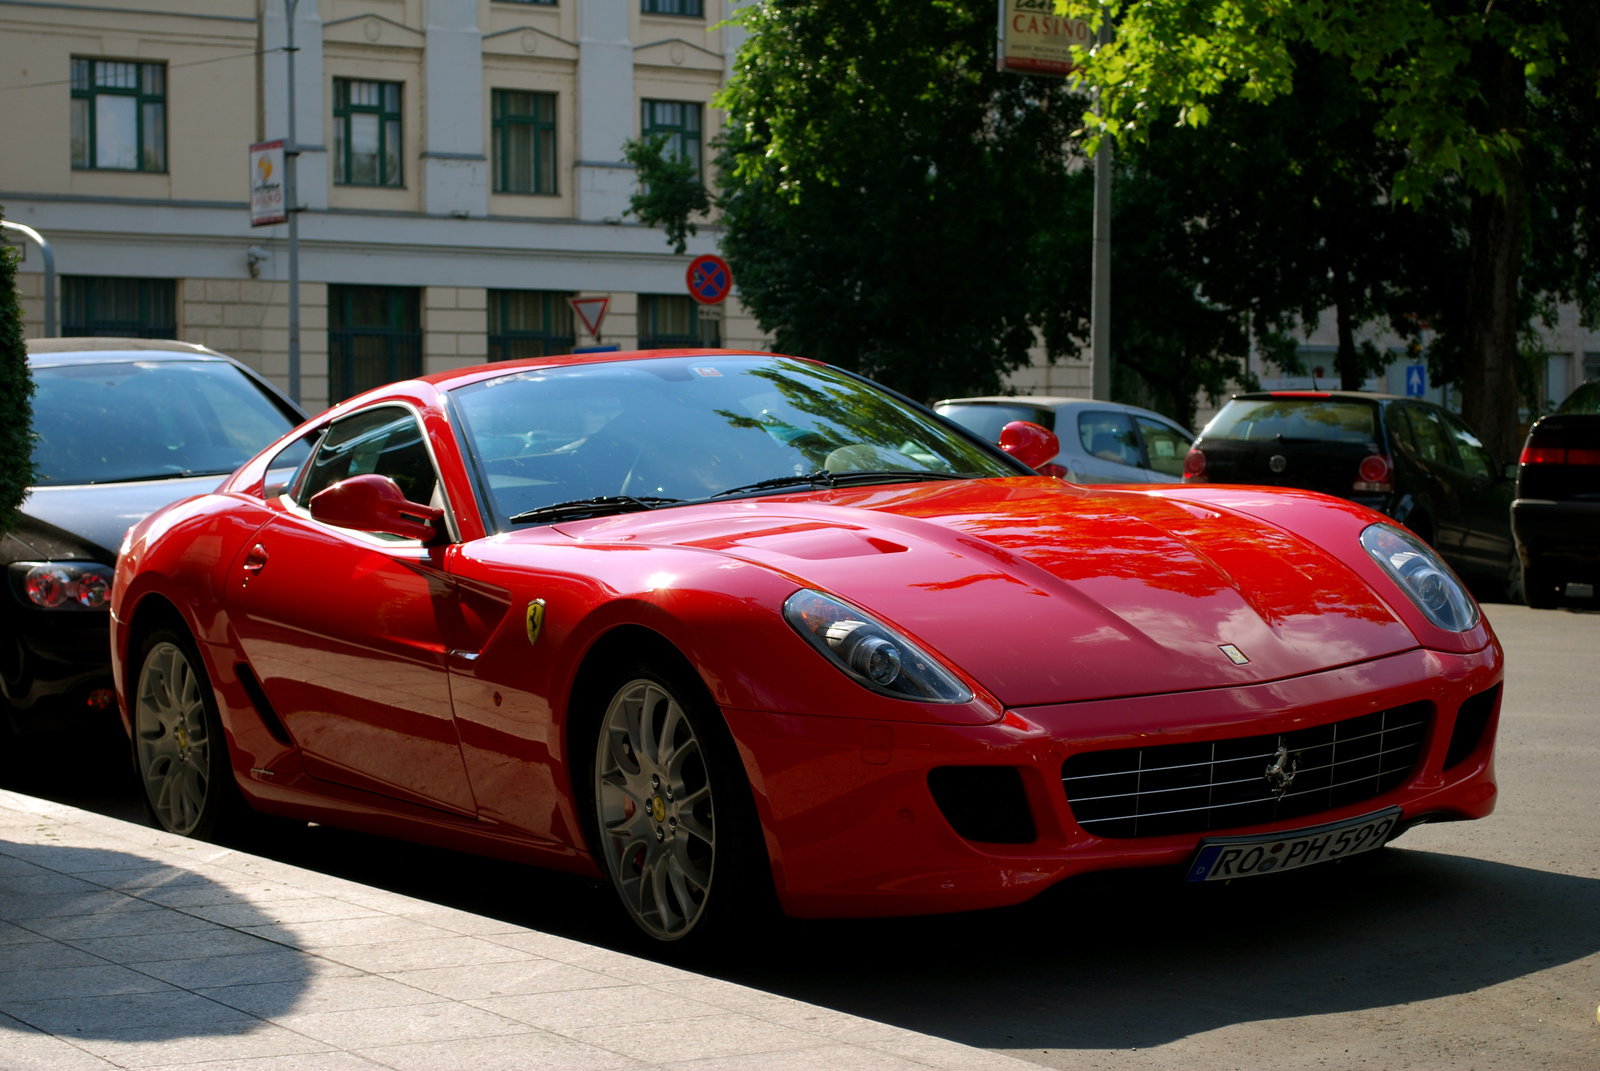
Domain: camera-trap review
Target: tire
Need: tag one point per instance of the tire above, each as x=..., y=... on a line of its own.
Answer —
x=1539, y=589
x=180, y=753
x=670, y=816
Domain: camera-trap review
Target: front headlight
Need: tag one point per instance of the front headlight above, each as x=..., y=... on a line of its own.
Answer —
x=870, y=652
x=1422, y=576
x=63, y=585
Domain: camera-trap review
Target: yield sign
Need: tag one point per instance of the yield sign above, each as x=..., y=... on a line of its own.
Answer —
x=591, y=310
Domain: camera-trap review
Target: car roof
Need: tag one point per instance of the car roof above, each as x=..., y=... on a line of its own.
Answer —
x=1342, y=395
x=1052, y=401
x=46, y=352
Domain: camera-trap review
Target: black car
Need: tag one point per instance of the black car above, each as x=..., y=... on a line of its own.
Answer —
x=1556, y=515
x=122, y=427
x=1418, y=463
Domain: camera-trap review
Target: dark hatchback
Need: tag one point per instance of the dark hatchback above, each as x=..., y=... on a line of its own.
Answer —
x=122, y=427
x=1412, y=460
x=1556, y=514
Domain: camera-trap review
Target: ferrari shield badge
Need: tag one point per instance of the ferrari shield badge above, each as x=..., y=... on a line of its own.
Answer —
x=535, y=619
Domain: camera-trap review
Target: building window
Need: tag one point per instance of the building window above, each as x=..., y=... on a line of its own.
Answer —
x=670, y=321
x=366, y=133
x=679, y=122
x=524, y=142
x=529, y=323
x=695, y=8
x=374, y=337
x=119, y=115
x=119, y=308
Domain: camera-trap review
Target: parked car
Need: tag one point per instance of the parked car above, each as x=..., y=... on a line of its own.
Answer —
x=123, y=427
x=1101, y=442
x=1412, y=460
x=712, y=626
x=1556, y=514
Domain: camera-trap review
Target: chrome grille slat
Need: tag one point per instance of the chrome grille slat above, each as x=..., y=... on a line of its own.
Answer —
x=1196, y=787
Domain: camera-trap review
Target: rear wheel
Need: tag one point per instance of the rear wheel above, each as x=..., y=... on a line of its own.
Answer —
x=179, y=751
x=671, y=814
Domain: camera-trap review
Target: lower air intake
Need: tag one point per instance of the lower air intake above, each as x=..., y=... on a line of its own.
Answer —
x=1224, y=784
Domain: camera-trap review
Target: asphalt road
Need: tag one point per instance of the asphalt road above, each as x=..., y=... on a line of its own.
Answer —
x=1470, y=945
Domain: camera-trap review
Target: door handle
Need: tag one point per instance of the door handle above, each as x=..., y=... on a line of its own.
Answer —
x=255, y=560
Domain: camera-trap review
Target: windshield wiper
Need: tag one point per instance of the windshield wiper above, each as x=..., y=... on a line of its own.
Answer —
x=592, y=507
x=187, y=474
x=824, y=478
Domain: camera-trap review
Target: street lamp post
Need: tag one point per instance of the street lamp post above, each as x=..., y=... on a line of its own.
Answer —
x=291, y=156
x=49, y=272
x=1100, y=295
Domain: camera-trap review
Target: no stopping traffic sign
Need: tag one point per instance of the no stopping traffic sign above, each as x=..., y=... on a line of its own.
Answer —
x=710, y=279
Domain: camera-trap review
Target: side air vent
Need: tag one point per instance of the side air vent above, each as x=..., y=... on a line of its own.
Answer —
x=984, y=803
x=1471, y=721
x=258, y=699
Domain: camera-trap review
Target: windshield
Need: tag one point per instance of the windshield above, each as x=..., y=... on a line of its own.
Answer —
x=146, y=420
x=689, y=428
x=1586, y=399
x=1335, y=420
x=986, y=419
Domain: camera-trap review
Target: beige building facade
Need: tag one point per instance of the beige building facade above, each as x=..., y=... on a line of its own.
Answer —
x=461, y=175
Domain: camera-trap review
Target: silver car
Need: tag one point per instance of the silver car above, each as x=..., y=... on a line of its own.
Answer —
x=1101, y=442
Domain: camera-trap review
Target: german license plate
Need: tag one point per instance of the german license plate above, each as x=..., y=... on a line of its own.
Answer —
x=1226, y=858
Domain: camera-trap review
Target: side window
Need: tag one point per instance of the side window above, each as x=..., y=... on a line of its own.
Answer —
x=1110, y=437
x=1433, y=441
x=1399, y=429
x=386, y=441
x=283, y=471
x=1164, y=445
x=1474, y=458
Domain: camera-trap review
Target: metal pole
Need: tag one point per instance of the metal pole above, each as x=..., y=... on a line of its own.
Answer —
x=1100, y=321
x=49, y=272
x=291, y=155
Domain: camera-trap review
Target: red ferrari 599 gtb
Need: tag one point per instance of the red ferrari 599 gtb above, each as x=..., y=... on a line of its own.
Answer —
x=716, y=626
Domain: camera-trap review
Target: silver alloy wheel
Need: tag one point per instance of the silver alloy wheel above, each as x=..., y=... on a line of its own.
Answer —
x=653, y=802
x=169, y=725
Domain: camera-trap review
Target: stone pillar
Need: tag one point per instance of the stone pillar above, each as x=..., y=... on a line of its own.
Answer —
x=311, y=180
x=605, y=109
x=455, y=172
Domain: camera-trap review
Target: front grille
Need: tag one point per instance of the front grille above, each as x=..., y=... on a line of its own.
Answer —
x=1223, y=784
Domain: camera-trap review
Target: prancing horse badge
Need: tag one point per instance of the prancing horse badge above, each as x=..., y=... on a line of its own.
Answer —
x=535, y=619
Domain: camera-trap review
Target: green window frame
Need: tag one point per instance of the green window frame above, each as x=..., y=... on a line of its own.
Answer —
x=679, y=121
x=109, y=307
x=674, y=321
x=119, y=115
x=524, y=141
x=692, y=8
x=374, y=337
x=529, y=323
x=367, y=133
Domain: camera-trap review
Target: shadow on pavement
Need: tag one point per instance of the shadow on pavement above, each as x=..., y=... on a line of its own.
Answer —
x=112, y=947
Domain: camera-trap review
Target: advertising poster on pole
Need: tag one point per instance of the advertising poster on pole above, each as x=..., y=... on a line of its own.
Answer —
x=266, y=184
x=1035, y=40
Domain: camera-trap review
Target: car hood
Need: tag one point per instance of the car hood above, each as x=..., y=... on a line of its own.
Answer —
x=100, y=514
x=1045, y=593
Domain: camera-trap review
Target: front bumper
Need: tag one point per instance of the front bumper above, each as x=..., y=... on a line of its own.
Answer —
x=1560, y=536
x=853, y=828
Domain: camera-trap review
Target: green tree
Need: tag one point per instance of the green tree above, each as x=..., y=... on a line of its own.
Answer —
x=1480, y=99
x=16, y=392
x=882, y=189
x=670, y=191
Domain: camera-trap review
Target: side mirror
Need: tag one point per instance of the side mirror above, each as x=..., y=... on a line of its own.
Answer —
x=1030, y=443
x=373, y=503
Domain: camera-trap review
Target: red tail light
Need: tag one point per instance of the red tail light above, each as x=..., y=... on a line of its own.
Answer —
x=1374, y=472
x=1543, y=455
x=1194, y=467
x=1583, y=457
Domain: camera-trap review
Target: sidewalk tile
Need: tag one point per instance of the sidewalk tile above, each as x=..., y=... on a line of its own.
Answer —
x=303, y=1061
x=277, y=964
x=727, y=1034
x=43, y=955
x=50, y=983
x=17, y=935
x=336, y=933
x=514, y=978
x=144, y=920
x=196, y=944
x=41, y=1052
x=276, y=1000
x=419, y=955
x=247, y=913
x=367, y=1028
x=241, y=1041
x=165, y=1013
x=515, y=1052
x=826, y=1058
x=559, y=1013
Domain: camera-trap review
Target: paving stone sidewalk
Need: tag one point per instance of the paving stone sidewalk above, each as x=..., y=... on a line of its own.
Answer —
x=121, y=946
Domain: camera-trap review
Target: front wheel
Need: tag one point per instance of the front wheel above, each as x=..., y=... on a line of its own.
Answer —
x=672, y=816
x=178, y=748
